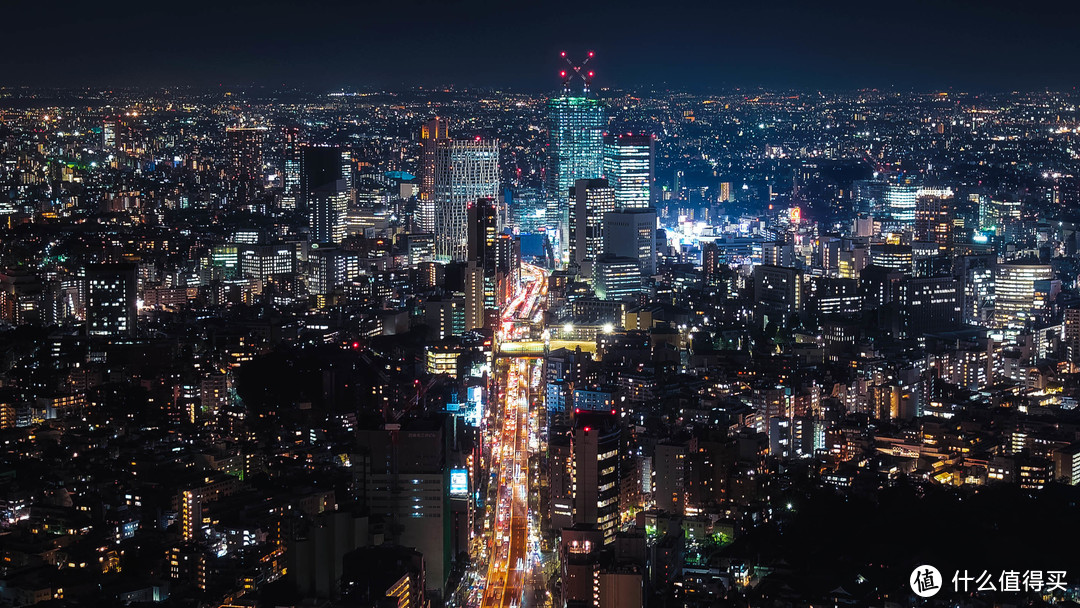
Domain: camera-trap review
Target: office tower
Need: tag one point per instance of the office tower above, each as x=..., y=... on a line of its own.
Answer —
x=890, y=255
x=725, y=193
x=576, y=125
x=631, y=232
x=900, y=199
x=590, y=199
x=291, y=161
x=482, y=265
x=431, y=133
x=465, y=171
x=616, y=278
x=1021, y=291
x=869, y=196
x=108, y=132
x=628, y=167
x=111, y=306
x=777, y=294
x=976, y=276
x=595, y=447
x=1072, y=334
x=322, y=166
x=327, y=205
x=670, y=464
x=778, y=254
x=267, y=261
x=934, y=221
x=930, y=304
x=401, y=475
x=245, y=147
x=576, y=128
x=483, y=228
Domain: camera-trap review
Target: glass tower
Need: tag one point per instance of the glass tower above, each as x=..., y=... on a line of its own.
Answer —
x=628, y=167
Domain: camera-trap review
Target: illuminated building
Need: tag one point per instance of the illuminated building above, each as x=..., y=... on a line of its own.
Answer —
x=595, y=447
x=887, y=255
x=616, y=278
x=777, y=294
x=576, y=125
x=590, y=199
x=930, y=304
x=245, y=147
x=632, y=233
x=901, y=199
x=327, y=205
x=465, y=171
x=291, y=180
x=628, y=167
x=111, y=305
x=322, y=167
x=433, y=131
x=934, y=221
x=406, y=482
x=1021, y=291
x=265, y=261
x=670, y=464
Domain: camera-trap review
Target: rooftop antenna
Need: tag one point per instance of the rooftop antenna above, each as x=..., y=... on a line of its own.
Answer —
x=576, y=71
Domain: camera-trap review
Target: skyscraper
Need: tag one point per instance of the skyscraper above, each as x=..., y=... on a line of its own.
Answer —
x=431, y=133
x=595, y=447
x=628, y=167
x=901, y=201
x=631, y=232
x=111, y=291
x=327, y=205
x=576, y=130
x=291, y=158
x=322, y=166
x=245, y=146
x=481, y=273
x=1020, y=293
x=591, y=199
x=465, y=171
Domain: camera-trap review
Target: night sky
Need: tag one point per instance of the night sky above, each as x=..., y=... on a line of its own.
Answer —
x=976, y=44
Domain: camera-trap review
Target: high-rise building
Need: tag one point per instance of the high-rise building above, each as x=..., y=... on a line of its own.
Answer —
x=777, y=293
x=934, y=220
x=465, y=171
x=628, y=167
x=1021, y=291
x=327, y=205
x=291, y=161
x=322, y=166
x=631, y=232
x=482, y=264
x=931, y=304
x=900, y=199
x=431, y=133
x=616, y=278
x=576, y=125
x=404, y=479
x=245, y=146
x=111, y=305
x=591, y=200
x=595, y=447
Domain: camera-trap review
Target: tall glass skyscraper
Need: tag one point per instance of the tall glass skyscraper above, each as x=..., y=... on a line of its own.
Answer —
x=628, y=167
x=576, y=129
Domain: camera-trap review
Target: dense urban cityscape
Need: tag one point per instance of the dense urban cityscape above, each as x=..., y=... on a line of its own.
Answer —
x=603, y=347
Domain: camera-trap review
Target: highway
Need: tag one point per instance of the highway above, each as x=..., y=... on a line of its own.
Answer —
x=510, y=533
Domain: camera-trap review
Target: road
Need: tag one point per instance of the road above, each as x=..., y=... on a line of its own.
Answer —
x=509, y=545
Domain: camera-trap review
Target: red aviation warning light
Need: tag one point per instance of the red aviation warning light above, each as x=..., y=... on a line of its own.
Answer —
x=576, y=71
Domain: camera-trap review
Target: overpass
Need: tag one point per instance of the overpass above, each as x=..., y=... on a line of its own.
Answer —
x=540, y=348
